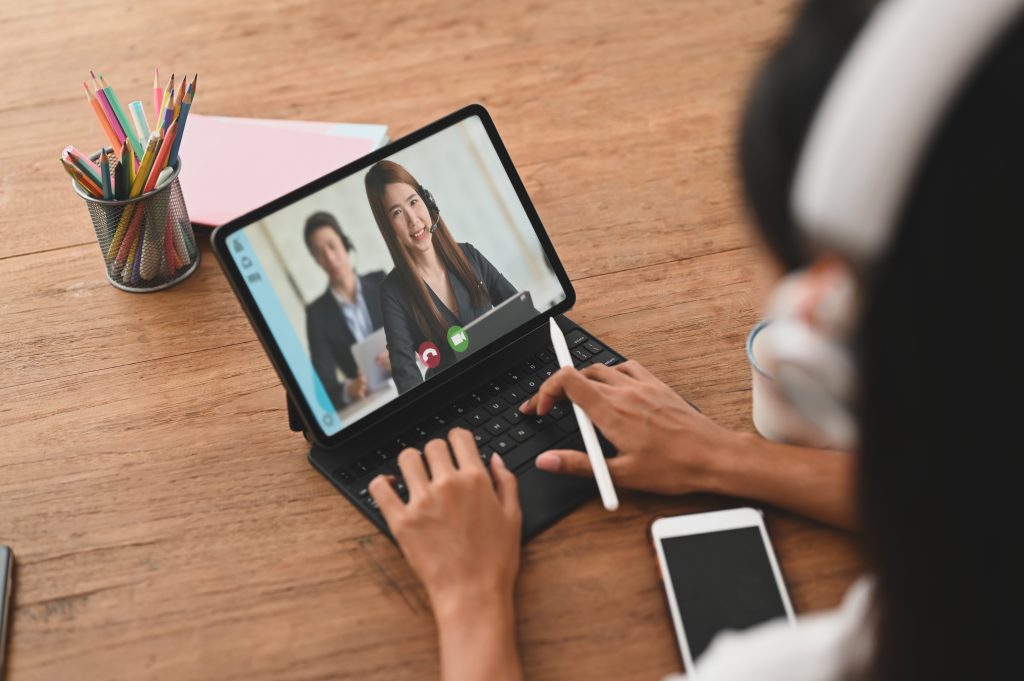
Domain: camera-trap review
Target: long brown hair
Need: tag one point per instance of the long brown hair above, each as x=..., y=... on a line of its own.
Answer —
x=428, y=317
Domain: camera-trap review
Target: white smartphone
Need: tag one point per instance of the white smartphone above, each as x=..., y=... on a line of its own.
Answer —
x=719, y=572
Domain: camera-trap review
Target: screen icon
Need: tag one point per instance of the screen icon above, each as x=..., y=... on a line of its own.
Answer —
x=429, y=355
x=458, y=338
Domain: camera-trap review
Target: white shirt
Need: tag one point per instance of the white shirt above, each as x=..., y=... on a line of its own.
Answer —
x=357, y=319
x=824, y=646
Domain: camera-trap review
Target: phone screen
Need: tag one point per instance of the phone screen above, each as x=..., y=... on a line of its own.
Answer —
x=722, y=580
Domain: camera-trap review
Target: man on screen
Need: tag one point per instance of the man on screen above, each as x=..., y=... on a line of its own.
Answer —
x=347, y=312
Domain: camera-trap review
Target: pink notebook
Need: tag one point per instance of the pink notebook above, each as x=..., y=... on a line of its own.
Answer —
x=231, y=166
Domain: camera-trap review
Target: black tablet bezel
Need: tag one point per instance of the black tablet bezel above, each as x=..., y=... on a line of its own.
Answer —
x=219, y=242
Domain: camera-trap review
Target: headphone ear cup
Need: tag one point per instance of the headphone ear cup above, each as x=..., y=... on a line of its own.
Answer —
x=815, y=375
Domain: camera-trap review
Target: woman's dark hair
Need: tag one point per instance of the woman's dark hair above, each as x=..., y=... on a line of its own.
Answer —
x=323, y=219
x=935, y=355
x=428, y=318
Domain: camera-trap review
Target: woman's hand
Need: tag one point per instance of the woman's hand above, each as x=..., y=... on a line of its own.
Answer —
x=664, y=444
x=460, y=532
x=384, y=361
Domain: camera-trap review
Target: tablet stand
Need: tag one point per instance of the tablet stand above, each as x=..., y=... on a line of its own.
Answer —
x=294, y=420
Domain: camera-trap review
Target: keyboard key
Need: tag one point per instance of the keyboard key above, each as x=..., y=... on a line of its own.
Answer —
x=344, y=476
x=503, y=444
x=540, y=422
x=381, y=456
x=363, y=467
x=481, y=436
x=580, y=354
x=559, y=409
x=513, y=416
x=592, y=347
x=515, y=375
x=367, y=499
x=494, y=388
x=495, y=406
x=574, y=338
x=460, y=409
x=515, y=395
x=546, y=371
x=443, y=422
x=529, y=366
x=530, y=385
x=605, y=357
x=477, y=417
x=522, y=432
x=496, y=427
x=546, y=358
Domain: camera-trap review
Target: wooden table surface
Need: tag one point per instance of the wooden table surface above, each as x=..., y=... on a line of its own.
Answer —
x=165, y=521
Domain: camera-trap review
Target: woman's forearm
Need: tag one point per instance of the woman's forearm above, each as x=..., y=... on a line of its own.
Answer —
x=817, y=483
x=477, y=640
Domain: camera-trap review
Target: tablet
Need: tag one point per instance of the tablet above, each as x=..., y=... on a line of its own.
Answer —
x=444, y=199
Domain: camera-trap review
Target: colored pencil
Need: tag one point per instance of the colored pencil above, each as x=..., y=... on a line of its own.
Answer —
x=108, y=193
x=123, y=177
x=160, y=162
x=121, y=239
x=139, y=119
x=168, y=102
x=83, y=162
x=158, y=95
x=186, y=105
x=83, y=180
x=122, y=117
x=179, y=93
x=101, y=117
x=108, y=112
x=133, y=164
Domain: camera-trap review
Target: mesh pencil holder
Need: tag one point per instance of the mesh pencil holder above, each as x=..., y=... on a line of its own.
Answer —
x=147, y=242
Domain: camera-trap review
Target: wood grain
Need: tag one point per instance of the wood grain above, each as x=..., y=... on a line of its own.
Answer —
x=165, y=521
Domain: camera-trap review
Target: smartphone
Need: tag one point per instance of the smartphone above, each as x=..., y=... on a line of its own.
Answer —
x=6, y=576
x=719, y=572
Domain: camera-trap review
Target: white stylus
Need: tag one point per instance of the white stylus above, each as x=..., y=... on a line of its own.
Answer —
x=597, y=462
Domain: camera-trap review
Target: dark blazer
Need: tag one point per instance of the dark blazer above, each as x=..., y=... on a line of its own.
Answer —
x=330, y=341
x=404, y=338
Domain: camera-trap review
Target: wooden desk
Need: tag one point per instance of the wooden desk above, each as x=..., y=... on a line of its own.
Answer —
x=165, y=521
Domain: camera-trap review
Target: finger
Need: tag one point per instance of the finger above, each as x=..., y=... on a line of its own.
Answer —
x=439, y=457
x=413, y=470
x=464, y=446
x=634, y=369
x=566, y=461
x=506, y=485
x=570, y=383
x=575, y=462
x=386, y=497
x=605, y=374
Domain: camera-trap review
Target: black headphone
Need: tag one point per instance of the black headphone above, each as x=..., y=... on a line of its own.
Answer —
x=432, y=208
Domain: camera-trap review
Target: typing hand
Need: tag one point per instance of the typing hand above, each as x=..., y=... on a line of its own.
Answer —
x=460, y=530
x=664, y=444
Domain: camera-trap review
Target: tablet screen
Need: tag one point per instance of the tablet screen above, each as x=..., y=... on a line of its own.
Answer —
x=430, y=245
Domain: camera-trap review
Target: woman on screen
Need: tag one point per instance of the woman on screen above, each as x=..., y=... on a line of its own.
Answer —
x=436, y=284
